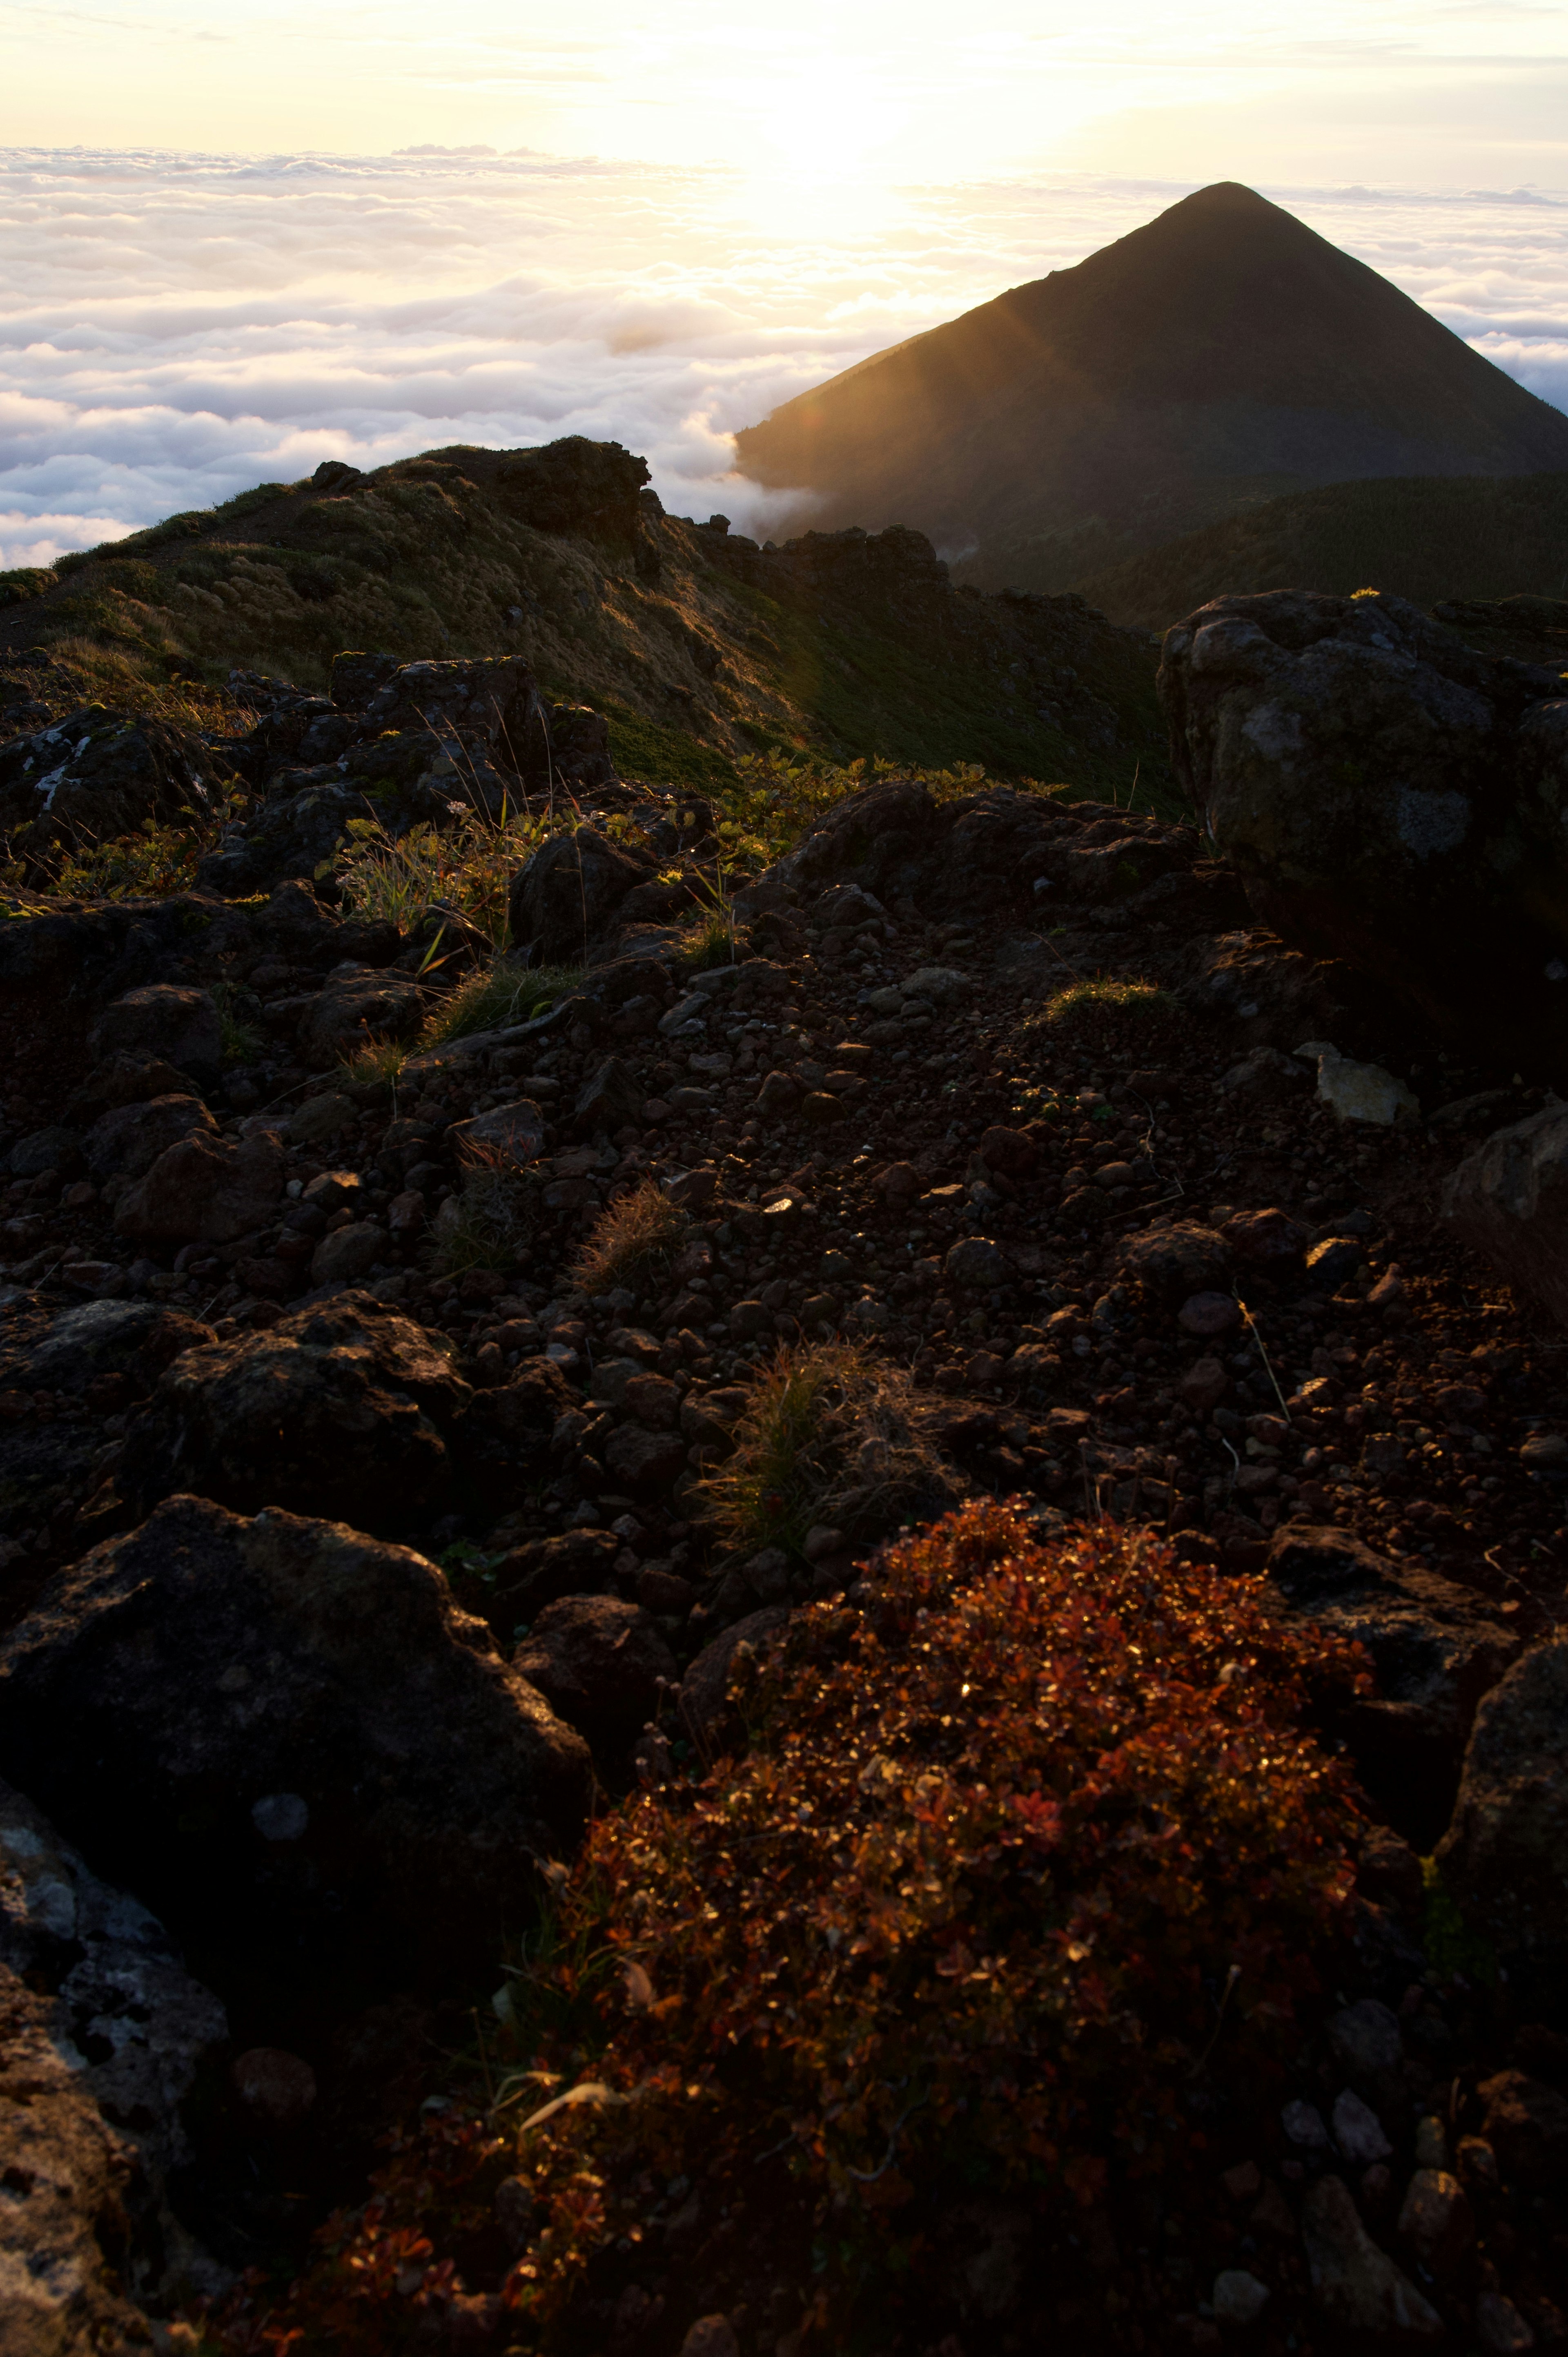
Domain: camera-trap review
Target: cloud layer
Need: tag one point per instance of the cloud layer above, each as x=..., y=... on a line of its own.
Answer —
x=176, y=327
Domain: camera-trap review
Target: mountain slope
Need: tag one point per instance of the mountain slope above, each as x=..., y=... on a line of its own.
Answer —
x=698, y=644
x=1469, y=537
x=1222, y=352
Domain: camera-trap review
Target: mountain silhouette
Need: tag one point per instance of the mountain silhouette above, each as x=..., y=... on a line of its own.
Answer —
x=1223, y=353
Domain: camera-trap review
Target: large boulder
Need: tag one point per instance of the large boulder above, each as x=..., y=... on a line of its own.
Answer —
x=1389, y=797
x=570, y=891
x=1509, y=1201
x=168, y=1020
x=1503, y=1856
x=342, y=1408
x=285, y=1734
x=130, y=1137
x=1435, y=1648
x=132, y=1339
x=96, y=774
x=294, y=835
x=601, y=1663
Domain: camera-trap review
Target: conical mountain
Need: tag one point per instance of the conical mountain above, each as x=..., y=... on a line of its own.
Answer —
x=1221, y=354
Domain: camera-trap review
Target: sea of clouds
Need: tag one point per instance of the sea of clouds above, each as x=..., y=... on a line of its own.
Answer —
x=176, y=327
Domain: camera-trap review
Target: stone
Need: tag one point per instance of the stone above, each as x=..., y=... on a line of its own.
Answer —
x=204, y=1189
x=1525, y=2123
x=1238, y=2298
x=1333, y=1263
x=1387, y=796
x=1501, y=2330
x=654, y=1401
x=133, y=1339
x=1171, y=1262
x=1270, y=1242
x=66, y=2223
x=1203, y=1386
x=705, y=1704
x=131, y=1139
x=1508, y=1201
x=349, y=1253
x=610, y=1099
x=1436, y=2221
x=777, y=1094
x=711, y=2336
x=1362, y=1092
x=53, y=1149
x=821, y=1107
x=974, y=1264
x=644, y=1462
x=1544, y=1452
x=321, y=1117
x=1358, y=2132
x=1435, y=1648
x=516, y=1131
x=1365, y=2040
x=602, y=1666
x=1209, y=1315
x=1357, y=2287
x=276, y=2087
x=1502, y=1855
x=170, y=1021
x=204, y=1662
x=125, y=2015
x=944, y=986
x=1302, y=2124
x=356, y=1012
x=570, y=891
x=341, y=1406
x=122, y=1078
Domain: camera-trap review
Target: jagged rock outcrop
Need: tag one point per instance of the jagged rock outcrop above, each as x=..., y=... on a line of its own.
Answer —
x=1509, y=1201
x=1389, y=797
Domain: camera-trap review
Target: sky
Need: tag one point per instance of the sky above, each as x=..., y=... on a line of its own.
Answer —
x=235, y=242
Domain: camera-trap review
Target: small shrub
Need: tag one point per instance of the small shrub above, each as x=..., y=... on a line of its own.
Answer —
x=633, y=1241
x=378, y=1064
x=830, y=1436
x=468, y=865
x=501, y=994
x=492, y=1223
x=709, y=943
x=1017, y=1891
x=243, y=1042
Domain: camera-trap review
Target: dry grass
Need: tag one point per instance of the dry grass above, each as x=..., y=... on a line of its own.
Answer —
x=833, y=1437
x=502, y=993
x=495, y=1216
x=1131, y=998
x=635, y=1239
x=468, y=866
x=378, y=1064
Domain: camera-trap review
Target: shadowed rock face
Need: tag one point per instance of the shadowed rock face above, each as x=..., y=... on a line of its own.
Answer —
x=1389, y=797
x=1222, y=350
x=286, y=1730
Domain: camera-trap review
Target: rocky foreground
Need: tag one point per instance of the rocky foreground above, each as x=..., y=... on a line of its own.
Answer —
x=363, y=1506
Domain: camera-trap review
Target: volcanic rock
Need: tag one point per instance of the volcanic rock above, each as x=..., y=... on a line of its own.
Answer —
x=1509, y=1201
x=202, y=1189
x=180, y=1026
x=601, y=1665
x=1502, y=1855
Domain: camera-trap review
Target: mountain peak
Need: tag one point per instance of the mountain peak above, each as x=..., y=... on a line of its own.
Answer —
x=1221, y=352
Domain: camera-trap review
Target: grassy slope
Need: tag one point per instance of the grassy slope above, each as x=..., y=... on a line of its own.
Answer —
x=429, y=558
x=1425, y=538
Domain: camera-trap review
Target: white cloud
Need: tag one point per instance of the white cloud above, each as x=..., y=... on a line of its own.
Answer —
x=175, y=328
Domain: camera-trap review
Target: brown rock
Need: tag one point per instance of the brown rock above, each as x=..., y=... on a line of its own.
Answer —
x=600, y=1663
x=276, y=2087
x=132, y=1137
x=349, y=1253
x=1203, y=1386
x=1357, y=2287
x=202, y=1189
x=641, y=1461
x=361, y=1007
x=1175, y=1261
x=1526, y=2126
x=1509, y=1202
x=1269, y=1241
x=654, y=1401
x=1502, y=1855
x=180, y=1025
x=704, y=1689
x=1435, y=2220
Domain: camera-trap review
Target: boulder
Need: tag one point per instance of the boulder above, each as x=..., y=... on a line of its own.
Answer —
x=1502, y=1856
x=569, y=892
x=292, y=837
x=1389, y=797
x=1525, y=2123
x=601, y=1665
x=1435, y=1648
x=341, y=1406
x=51, y=1149
x=66, y=2219
x=349, y=1253
x=180, y=1025
x=126, y=2015
x=1509, y=1202
x=286, y=1734
x=133, y=1339
x=97, y=774
x=204, y=1189
x=974, y=1264
x=1176, y=1261
x=131, y=1139
x=705, y=1690
x=356, y=1011
x=1357, y=2288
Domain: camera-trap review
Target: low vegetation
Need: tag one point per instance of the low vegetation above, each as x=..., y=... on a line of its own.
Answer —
x=632, y=1241
x=500, y=994
x=831, y=1437
x=489, y=1224
x=1100, y=996
x=466, y=864
x=1015, y=1892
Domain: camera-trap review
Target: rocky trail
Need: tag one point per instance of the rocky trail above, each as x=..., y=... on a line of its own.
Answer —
x=365, y=1413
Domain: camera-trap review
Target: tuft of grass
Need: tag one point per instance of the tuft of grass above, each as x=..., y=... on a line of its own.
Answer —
x=490, y=1224
x=710, y=942
x=830, y=1436
x=468, y=865
x=634, y=1238
x=1132, y=998
x=243, y=1042
x=502, y=994
x=378, y=1064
